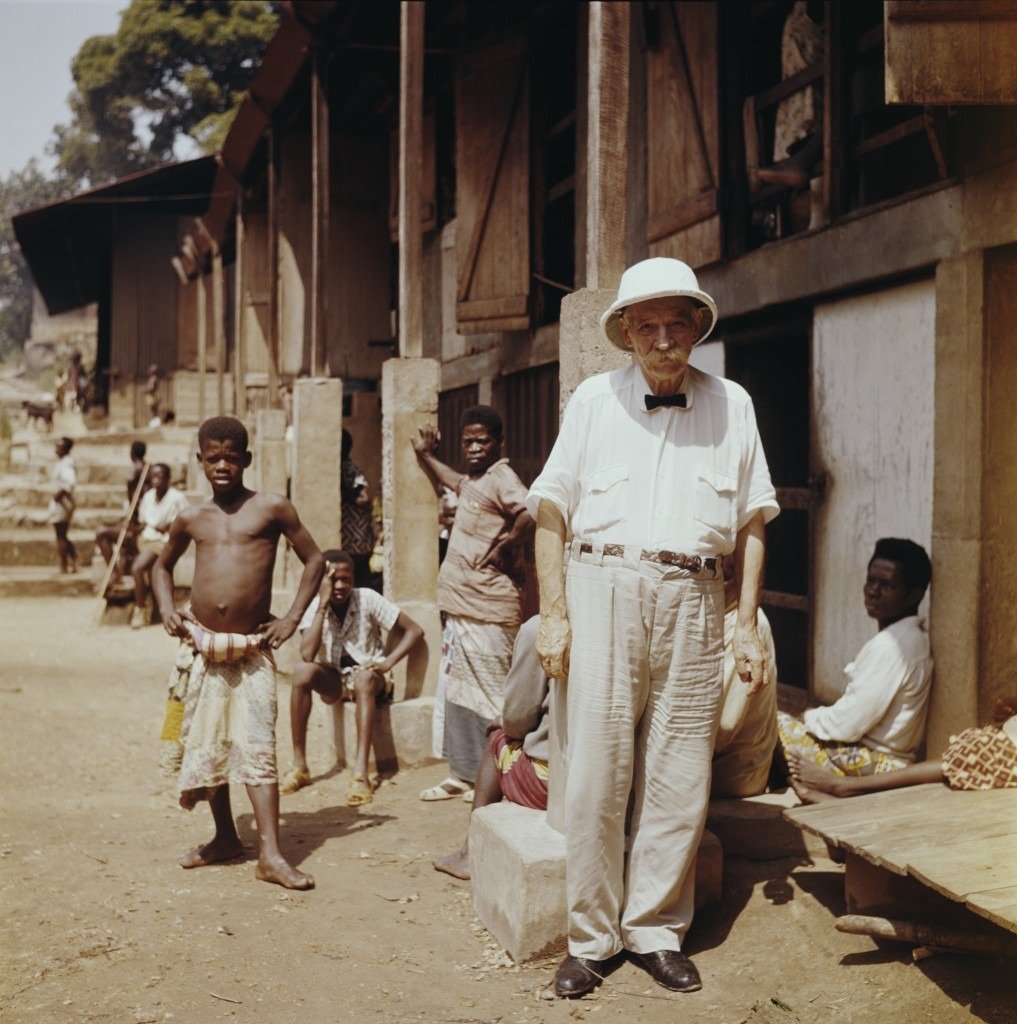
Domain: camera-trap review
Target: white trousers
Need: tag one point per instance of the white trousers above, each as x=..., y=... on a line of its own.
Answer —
x=643, y=698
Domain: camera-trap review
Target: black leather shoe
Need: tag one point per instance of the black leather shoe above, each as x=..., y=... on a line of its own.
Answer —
x=671, y=969
x=576, y=976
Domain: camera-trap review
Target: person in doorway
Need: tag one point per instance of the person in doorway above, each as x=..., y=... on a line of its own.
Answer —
x=227, y=731
x=350, y=640
x=516, y=767
x=479, y=586
x=158, y=508
x=878, y=724
x=659, y=476
x=63, y=480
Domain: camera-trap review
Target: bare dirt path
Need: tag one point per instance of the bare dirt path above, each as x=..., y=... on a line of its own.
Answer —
x=99, y=923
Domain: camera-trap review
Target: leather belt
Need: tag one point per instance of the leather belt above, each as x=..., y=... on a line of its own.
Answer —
x=693, y=563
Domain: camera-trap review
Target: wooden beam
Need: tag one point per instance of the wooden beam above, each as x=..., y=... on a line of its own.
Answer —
x=607, y=142
x=239, y=291
x=202, y=319
x=411, y=140
x=219, y=327
x=319, y=212
x=273, y=268
x=691, y=211
x=952, y=10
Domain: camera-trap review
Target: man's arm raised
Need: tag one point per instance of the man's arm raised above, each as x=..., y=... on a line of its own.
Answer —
x=440, y=475
x=554, y=638
x=276, y=631
x=750, y=656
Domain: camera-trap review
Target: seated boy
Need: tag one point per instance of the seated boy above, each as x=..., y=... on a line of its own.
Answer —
x=343, y=638
x=106, y=537
x=229, y=713
x=878, y=725
x=516, y=765
x=747, y=733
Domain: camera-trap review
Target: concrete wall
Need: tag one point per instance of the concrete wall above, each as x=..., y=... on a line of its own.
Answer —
x=873, y=409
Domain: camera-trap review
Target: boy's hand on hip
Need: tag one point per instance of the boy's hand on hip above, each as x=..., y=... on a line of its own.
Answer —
x=173, y=623
x=276, y=632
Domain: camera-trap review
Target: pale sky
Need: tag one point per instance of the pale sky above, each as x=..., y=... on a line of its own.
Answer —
x=38, y=39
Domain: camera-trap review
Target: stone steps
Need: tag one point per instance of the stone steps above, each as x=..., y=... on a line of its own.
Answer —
x=35, y=547
x=87, y=519
x=16, y=491
x=44, y=581
x=111, y=474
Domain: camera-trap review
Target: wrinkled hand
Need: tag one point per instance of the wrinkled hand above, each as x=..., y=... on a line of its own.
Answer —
x=427, y=441
x=173, y=621
x=750, y=661
x=554, y=645
x=276, y=631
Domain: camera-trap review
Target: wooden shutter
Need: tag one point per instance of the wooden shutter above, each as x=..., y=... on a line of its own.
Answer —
x=951, y=52
x=493, y=189
x=683, y=136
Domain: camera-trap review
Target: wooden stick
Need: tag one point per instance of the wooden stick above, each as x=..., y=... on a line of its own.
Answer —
x=135, y=498
x=932, y=935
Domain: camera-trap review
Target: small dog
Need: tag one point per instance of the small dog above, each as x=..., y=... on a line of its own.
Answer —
x=38, y=413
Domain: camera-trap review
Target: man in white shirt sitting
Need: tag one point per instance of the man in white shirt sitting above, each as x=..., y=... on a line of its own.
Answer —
x=878, y=724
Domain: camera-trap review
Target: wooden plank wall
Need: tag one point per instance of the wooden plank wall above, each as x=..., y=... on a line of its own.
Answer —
x=359, y=259
x=872, y=409
x=255, y=298
x=683, y=137
x=295, y=252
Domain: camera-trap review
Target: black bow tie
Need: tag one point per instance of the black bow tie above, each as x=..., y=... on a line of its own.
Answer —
x=655, y=401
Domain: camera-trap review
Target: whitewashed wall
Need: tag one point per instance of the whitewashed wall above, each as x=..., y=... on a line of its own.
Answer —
x=872, y=402
x=709, y=357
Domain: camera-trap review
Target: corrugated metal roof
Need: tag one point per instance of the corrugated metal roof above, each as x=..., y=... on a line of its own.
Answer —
x=66, y=243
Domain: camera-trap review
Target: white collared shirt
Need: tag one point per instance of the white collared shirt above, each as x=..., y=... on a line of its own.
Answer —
x=673, y=479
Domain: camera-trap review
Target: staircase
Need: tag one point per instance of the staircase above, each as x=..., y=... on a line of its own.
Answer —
x=28, y=559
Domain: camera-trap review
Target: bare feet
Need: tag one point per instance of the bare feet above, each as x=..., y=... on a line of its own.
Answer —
x=216, y=852
x=281, y=872
x=812, y=783
x=455, y=864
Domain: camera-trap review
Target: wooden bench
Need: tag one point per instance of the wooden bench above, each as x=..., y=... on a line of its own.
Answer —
x=960, y=845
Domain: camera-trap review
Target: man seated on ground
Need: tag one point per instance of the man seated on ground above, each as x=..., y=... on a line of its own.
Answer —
x=878, y=725
x=343, y=638
x=981, y=758
x=747, y=734
x=518, y=745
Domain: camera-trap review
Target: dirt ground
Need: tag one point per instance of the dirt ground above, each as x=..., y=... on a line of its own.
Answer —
x=100, y=924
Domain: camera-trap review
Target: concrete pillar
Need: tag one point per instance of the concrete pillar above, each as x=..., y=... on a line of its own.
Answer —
x=409, y=399
x=317, y=452
x=582, y=351
x=956, y=594
x=272, y=470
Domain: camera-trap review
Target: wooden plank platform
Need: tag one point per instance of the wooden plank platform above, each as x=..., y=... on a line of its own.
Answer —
x=962, y=845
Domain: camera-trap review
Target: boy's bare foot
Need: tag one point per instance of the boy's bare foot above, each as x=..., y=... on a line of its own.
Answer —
x=281, y=872
x=455, y=864
x=216, y=852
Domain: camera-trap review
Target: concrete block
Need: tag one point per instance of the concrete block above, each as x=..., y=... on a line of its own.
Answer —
x=583, y=349
x=402, y=734
x=754, y=828
x=518, y=866
x=517, y=861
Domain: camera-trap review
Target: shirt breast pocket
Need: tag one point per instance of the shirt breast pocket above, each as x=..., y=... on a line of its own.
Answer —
x=605, y=495
x=714, y=503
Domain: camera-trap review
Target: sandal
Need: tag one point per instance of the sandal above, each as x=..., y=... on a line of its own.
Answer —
x=445, y=790
x=468, y=796
x=360, y=792
x=294, y=778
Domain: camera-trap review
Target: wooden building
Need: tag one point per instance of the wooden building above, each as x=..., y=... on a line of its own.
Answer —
x=445, y=181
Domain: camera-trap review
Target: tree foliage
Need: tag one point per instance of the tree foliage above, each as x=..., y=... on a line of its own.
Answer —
x=173, y=68
x=20, y=190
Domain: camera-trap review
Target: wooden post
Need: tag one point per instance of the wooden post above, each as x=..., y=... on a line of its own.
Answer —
x=411, y=137
x=219, y=327
x=273, y=269
x=607, y=142
x=319, y=212
x=202, y=345
x=239, y=351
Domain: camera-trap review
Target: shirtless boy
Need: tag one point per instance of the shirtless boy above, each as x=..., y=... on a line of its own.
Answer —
x=228, y=730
